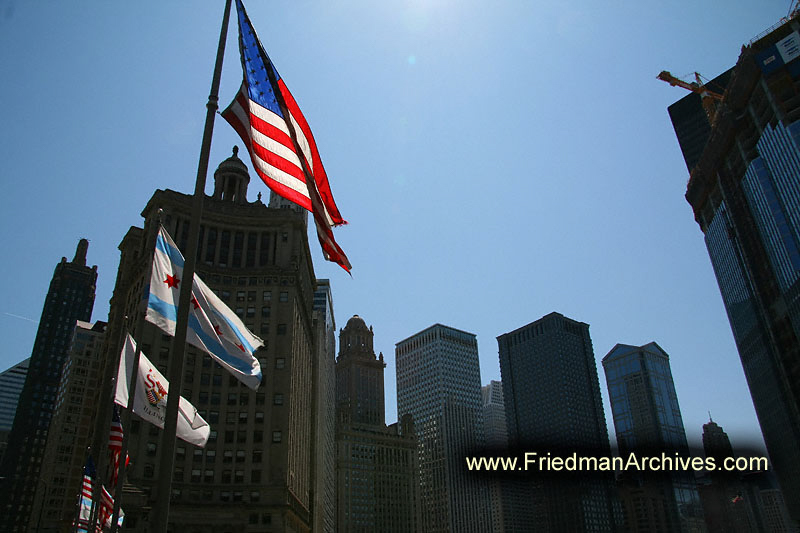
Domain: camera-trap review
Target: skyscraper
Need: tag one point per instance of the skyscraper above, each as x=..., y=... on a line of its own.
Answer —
x=377, y=473
x=647, y=419
x=496, y=432
x=70, y=430
x=439, y=384
x=494, y=415
x=11, y=383
x=323, y=474
x=721, y=492
x=255, y=471
x=744, y=189
x=70, y=298
x=553, y=404
x=715, y=441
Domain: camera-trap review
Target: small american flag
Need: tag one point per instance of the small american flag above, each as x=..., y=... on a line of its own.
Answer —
x=283, y=151
x=107, y=511
x=85, y=497
x=115, y=445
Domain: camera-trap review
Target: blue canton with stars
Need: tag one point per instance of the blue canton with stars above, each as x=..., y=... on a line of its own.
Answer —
x=253, y=58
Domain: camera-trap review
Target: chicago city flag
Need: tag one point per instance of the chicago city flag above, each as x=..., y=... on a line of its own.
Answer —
x=283, y=151
x=213, y=327
x=151, y=397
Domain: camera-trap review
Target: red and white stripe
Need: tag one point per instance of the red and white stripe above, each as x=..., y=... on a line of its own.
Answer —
x=115, y=446
x=277, y=163
x=273, y=153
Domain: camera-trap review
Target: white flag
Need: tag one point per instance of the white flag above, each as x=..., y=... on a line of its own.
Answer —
x=151, y=397
x=213, y=326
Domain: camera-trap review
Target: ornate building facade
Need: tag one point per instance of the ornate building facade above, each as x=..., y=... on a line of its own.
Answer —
x=376, y=465
x=255, y=473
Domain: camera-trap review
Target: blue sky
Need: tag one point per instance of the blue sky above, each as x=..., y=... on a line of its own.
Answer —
x=496, y=161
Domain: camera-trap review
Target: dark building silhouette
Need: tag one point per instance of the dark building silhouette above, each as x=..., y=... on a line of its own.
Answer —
x=323, y=473
x=721, y=492
x=377, y=469
x=439, y=384
x=496, y=432
x=553, y=404
x=70, y=298
x=359, y=377
x=738, y=502
x=715, y=441
x=764, y=500
x=255, y=472
x=71, y=428
x=11, y=383
x=647, y=420
x=743, y=189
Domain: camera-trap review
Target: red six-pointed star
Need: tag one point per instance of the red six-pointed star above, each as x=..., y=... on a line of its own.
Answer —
x=195, y=303
x=240, y=346
x=172, y=281
x=217, y=330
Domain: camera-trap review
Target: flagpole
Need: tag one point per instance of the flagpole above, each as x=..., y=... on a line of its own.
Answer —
x=102, y=435
x=76, y=521
x=167, y=455
x=125, y=419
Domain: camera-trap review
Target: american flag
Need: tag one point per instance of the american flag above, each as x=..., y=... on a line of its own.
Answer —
x=115, y=445
x=283, y=151
x=107, y=511
x=85, y=497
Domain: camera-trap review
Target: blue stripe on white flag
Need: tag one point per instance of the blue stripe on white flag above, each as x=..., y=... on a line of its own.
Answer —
x=166, y=309
x=170, y=312
x=236, y=331
x=171, y=252
x=218, y=349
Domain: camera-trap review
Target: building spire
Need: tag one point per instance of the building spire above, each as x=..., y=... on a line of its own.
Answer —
x=80, y=253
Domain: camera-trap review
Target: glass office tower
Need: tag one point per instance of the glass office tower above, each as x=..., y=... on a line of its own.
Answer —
x=744, y=190
x=648, y=421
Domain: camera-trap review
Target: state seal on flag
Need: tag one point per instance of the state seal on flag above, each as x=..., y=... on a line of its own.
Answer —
x=156, y=393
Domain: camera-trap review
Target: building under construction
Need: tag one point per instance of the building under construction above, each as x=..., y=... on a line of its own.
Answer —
x=742, y=149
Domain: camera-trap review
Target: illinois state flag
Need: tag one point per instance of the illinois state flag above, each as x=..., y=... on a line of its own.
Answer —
x=213, y=326
x=151, y=397
x=283, y=151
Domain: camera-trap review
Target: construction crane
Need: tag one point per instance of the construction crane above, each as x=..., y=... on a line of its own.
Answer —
x=708, y=98
x=794, y=9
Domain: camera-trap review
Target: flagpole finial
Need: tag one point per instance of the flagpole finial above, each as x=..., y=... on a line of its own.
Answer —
x=235, y=150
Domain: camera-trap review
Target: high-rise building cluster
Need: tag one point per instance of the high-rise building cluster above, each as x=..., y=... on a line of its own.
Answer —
x=310, y=450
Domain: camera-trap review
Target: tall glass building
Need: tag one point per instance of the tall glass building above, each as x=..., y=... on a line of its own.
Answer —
x=11, y=383
x=439, y=384
x=647, y=419
x=744, y=189
x=553, y=404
